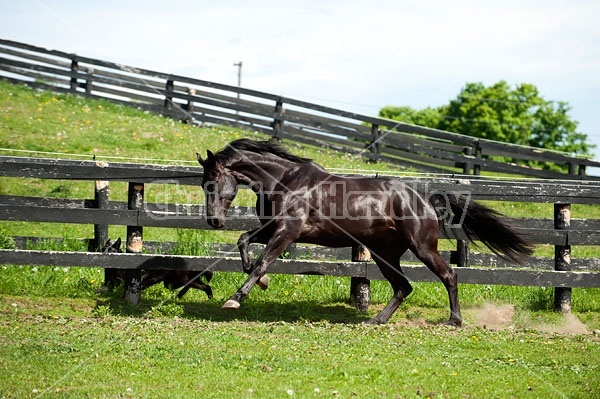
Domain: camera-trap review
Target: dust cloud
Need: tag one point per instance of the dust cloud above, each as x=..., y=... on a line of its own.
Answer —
x=500, y=316
x=493, y=316
x=572, y=326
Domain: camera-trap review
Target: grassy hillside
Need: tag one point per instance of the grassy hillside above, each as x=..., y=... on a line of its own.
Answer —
x=78, y=128
x=44, y=124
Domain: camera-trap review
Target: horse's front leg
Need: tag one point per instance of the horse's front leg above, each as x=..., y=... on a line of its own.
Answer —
x=250, y=237
x=282, y=238
x=256, y=236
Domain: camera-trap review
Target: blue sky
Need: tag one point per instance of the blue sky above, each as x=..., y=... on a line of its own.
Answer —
x=354, y=55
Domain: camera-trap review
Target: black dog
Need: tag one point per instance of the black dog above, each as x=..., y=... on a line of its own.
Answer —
x=172, y=279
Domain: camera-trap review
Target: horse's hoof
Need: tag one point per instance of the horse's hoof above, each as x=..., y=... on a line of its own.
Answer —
x=454, y=323
x=231, y=304
x=373, y=322
x=263, y=283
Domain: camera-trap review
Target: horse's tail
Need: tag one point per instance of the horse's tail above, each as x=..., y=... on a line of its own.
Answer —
x=484, y=224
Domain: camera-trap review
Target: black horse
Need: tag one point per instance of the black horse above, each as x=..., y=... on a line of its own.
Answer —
x=298, y=201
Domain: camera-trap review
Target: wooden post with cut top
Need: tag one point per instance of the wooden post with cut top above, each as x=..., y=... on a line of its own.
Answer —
x=360, y=287
x=562, y=257
x=133, y=277
x=101, y=230
x=100, y=202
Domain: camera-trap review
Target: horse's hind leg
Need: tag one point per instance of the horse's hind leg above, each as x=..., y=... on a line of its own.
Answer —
x=388, y=260
x=198, y=285
x=428, y=253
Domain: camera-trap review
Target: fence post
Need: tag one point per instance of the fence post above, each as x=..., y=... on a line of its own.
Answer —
x=562, y=257
x=462, y=253
x=467, y=164
x=89, y=81
x=360, y=287
x=168, y=104
x=74, y=69
x=376, y=142
x=278, y=120
x=101, y=230
x=189, y=108
x=461, y=256
x=100, y=202
x=133, y=277
x=477, y=165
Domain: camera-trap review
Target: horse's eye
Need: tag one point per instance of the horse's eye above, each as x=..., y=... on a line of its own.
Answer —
x=229, y=196
x=210, y=187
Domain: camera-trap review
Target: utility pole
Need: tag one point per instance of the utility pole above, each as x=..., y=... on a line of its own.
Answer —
x=239, y=65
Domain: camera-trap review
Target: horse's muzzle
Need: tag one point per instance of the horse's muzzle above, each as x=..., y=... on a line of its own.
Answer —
x=216, y=223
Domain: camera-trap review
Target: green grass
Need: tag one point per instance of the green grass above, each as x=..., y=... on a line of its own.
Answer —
x=60, y=347
x=62, y=335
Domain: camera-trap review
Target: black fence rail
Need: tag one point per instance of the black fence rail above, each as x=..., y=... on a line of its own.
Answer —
x=565, y=270
x=199, y=101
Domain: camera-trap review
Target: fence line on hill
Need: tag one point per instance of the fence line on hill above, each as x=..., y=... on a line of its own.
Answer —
x=200, y=101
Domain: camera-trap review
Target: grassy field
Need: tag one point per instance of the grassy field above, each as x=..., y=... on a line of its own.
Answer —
x=298, y=339
x=62, y=335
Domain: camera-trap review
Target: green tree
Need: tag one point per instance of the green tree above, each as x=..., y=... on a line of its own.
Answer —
x=499, y=112
x=429, y=117
x=554, y=129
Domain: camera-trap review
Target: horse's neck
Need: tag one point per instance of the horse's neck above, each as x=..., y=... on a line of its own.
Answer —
x=266, y=171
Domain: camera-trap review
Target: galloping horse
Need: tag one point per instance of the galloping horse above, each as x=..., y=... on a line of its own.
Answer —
x=298, y=201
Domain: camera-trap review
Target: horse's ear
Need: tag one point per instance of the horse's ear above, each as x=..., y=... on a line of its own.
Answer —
x=210, y=158
x=117, y=244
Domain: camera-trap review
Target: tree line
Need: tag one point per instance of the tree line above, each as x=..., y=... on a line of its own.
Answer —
x=518, y=115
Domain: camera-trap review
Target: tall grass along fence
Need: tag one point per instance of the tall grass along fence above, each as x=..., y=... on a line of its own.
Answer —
x=560, y=230
x=199, y=101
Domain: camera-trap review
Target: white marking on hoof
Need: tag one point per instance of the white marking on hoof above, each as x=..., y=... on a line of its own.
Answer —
x=263, y=282
x=231, y=304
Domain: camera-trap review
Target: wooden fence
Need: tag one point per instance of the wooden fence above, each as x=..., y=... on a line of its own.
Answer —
x=562, y=271
x=199, y=101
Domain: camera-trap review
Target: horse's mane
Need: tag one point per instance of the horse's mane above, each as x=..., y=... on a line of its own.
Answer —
x=260, y=147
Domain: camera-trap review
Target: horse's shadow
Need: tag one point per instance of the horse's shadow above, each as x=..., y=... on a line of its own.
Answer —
x=252, y=310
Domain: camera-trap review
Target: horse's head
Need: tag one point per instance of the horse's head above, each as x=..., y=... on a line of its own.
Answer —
x=220, y=188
